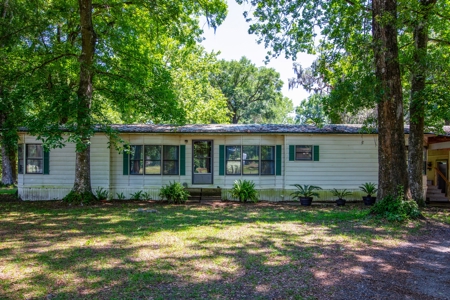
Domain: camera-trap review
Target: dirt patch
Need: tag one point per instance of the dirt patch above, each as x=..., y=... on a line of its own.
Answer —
x=416, y=269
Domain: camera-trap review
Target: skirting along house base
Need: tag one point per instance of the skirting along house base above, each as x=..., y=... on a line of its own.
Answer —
x=274, y=157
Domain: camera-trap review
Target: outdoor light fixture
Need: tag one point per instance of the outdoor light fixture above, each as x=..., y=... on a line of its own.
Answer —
x=186, y=141
x=429, y=165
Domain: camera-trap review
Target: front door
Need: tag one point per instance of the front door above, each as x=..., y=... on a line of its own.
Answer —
x=442, y=183
x=202, y=162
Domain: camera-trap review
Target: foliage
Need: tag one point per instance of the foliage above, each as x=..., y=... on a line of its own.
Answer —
x=341, y=194
x=244, y=190
x=369, y=188
x=120, y=196
x=101, y=194
x=146, y=196
x=310, y=111
x=137, y=195
x=396, y=208
x=306, y=191
x=174, y=193
x=80, y=198
x=253, y=94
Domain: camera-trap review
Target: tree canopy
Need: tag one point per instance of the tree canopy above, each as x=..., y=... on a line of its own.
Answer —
x=253, y=94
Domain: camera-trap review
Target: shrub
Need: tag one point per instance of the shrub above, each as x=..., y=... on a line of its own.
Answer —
x=120, y=196
x=174, y=193
x=79, y=198
x=369, y=188
x=305, y=191
x=396, y=208
x=244, y=190
x=341, y=194
x=101, y=193
x=147, y=196
x=137, y=196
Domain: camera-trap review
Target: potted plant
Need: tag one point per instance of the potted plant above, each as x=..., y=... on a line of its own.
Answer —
x=370, y=189
x=305, y=193
x=341, y=194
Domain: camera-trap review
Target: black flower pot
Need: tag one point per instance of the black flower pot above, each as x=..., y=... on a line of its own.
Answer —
x=306, y=201
x=340, y=202
x=369, y=200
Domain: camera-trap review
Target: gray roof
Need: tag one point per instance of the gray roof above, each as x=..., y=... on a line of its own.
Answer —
x=248, y=128
x=238, y=128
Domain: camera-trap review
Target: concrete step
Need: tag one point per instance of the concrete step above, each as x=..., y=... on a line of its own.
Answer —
x=440, y=200
x=434, y=192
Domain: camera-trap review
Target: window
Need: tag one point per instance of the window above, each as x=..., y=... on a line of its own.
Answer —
x=250, y=160
x=152, y=160
x=233, y=160
x=303, y=152
x=151, y=157
x=267, y=160
x=34, y=159
x=170, y=160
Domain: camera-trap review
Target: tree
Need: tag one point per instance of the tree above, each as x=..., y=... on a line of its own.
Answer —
x=253, y=94
x=18, y=21
x=94, y=57
x=291, y=27
x=190, y=67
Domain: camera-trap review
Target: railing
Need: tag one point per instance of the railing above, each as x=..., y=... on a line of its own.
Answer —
x=445, y=179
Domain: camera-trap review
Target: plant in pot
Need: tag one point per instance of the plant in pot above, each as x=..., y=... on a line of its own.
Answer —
x=341, y=194
x=370, y=189
x=305, y=193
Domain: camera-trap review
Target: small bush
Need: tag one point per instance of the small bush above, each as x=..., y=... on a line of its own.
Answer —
x=101, y=193
x=396, y=209
x=147, y=196
x=244, y=190
x=79, y=198
x=174, y=193
x=120, y=196
x=137, y=196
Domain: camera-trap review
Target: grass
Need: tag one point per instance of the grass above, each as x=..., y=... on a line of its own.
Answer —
x=116, y=251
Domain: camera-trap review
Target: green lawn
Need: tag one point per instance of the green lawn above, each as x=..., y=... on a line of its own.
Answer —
x=113, y=251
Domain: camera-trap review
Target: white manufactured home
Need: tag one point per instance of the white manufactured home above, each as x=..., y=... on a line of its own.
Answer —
x=274, y=157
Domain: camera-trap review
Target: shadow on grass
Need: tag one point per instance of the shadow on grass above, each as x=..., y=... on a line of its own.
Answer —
x=191, y=252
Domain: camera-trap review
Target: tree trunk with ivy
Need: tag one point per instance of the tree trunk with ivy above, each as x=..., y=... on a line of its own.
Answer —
x=7, y=170
x=417, y=102
x=391, y=136
x=82, y=189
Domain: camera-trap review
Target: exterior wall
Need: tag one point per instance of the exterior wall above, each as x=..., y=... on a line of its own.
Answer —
x=346, y=161
x=128, y=184
x=61, y=177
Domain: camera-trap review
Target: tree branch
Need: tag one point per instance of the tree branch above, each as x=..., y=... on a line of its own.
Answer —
x=440, y=41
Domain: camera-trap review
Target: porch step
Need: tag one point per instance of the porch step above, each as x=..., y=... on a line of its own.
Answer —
x=202, y=194
x=435, y=195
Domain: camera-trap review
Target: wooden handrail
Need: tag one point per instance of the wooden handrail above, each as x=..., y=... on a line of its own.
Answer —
x=442, y=175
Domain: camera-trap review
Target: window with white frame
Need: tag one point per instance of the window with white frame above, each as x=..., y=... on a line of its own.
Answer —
x=154, y=160
x=250, y=160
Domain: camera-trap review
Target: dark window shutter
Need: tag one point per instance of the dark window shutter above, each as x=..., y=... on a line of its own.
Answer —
x=221, y=160
x=46, y=162
x=182, y=160
x=278, y=160
x=316, y=153
x=126, y=159
x=291, y=152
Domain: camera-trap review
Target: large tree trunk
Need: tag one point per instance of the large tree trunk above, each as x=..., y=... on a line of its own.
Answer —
x=391, y=136
x=7, y=171
x=417, y=102
x=82, y=183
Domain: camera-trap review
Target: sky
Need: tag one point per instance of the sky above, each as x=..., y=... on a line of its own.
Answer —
x=233, y=41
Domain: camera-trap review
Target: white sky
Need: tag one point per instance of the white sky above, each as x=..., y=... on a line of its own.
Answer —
x=233, y=42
